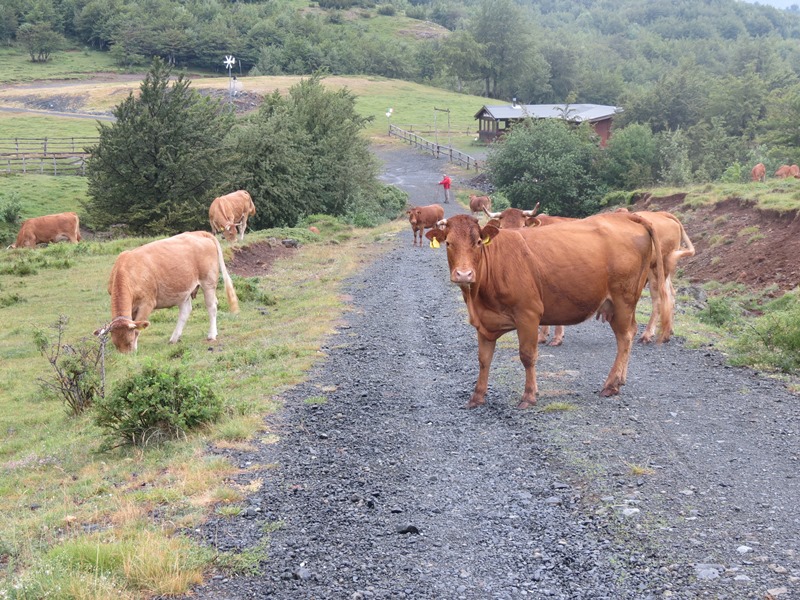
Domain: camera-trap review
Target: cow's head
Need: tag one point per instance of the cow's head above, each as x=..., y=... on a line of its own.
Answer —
x=465, y=240
x=124, y=333
x=229, y=233
x=513, y=218
x=413, y=215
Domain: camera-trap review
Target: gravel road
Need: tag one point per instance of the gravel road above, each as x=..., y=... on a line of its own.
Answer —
x=684, y=486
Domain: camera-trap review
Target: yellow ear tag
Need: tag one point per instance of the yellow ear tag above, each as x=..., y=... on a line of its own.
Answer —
x=486, y=241
x=434, y=243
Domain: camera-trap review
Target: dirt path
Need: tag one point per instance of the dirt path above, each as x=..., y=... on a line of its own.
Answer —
x=381, y=486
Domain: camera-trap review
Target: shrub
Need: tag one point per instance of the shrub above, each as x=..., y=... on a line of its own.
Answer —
x=156, y=405
x=720, y=312
x=387, y=10
x=774, y=339
x=79, y=369
x=500, y=202
x=372, y=209
x=11, y=209
x=617, y=198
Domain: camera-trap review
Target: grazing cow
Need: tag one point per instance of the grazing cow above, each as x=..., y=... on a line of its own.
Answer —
x=513, y=218
x=229, y=213
x=785, y=171
x=424, y=217
x=162, y=274
x=47, y=229
x=675, y=244
x=479, y=203
x=519, y=279
x=759, y=173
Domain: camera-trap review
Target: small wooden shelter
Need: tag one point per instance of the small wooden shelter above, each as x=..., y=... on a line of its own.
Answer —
x=494, y=121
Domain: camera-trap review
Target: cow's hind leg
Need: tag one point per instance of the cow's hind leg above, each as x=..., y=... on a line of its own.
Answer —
x=485, y=355
x=210, y=298
x=558, y=336
x=183, y=315
x=623, y=323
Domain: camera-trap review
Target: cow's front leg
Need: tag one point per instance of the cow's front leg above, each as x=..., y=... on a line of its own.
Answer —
x=528, y=350
x=183, y=315
x=485, y=355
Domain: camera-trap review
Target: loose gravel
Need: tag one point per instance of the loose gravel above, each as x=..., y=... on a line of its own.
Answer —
x=380, y=485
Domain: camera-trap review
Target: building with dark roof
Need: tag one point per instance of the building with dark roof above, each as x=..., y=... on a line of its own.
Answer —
x=494, y=121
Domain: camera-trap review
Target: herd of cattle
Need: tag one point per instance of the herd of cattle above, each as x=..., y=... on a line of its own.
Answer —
x=759, y=172
x=522, y=271
x=160, y=274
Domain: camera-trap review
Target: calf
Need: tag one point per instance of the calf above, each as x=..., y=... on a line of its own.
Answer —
x=162, y=274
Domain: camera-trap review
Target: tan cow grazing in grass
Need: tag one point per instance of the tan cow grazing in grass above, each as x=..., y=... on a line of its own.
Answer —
x=229, y=213
x=422, y=218
x=759, y=173
x=785, y=171
x=479, y=203
x=49, y=228
x=163, y=274
x=563, y=274
x=675, y=245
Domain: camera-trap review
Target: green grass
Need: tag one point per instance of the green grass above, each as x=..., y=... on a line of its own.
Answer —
x=17, y=125
x=73, y=64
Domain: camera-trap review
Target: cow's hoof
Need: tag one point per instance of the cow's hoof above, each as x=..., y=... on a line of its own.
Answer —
x=475, y=402
x=645, y=339
x=556, y=342
x=526, y=404
x=609, y=391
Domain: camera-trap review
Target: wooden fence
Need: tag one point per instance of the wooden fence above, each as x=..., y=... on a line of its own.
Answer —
x=438, y=150
x=46, y=156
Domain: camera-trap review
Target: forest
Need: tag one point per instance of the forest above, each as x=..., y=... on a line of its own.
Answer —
x=713, y=86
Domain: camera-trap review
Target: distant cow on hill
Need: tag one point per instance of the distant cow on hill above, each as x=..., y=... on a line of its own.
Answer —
x=759, y=173
x=49, y=228
x=479, y=203
x=785, y=171
x=424, y=217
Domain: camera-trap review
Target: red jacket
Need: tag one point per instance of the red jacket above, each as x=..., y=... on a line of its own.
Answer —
x=445, y=182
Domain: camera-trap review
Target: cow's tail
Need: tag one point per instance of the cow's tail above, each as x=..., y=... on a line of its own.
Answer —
x=661, y=281
x=230, y=291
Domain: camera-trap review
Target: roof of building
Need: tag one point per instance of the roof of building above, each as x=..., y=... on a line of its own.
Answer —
x=577, y=113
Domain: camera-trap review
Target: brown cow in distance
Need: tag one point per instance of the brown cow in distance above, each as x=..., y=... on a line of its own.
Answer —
x=759, y=173
x=424, y=217
x=229, y=213
x=61, y=227
x=522, y=278
x=513, y=218
x=785, y=171
x=162, y=274
x=479, y=203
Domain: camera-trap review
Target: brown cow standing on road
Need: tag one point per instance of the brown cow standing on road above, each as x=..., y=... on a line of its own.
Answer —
x=479, y=203
x=759, y=173
x=162, y=274
x=424, y=217
x=522, y=278
x=49, y=228
x=229, y=213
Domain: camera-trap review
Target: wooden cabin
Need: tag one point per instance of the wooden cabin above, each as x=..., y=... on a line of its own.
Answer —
x=494, y=121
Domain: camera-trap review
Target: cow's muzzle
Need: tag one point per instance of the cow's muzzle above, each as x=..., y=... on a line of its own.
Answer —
x=462, y=276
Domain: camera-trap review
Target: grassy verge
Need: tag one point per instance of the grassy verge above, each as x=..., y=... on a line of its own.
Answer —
x=75, y=522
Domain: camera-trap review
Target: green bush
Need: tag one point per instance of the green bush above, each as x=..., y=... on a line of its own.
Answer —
x=371, y=210
x=500, y=202
x=156, y=405
x=720, y=312
x=773, y=340
x=618, y=198
x=11, y=209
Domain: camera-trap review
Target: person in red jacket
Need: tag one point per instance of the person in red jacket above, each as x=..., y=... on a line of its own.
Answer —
x=445, y=183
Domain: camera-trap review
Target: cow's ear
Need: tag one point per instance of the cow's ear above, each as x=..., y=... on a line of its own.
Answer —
x=139, y=324
x=435, y=236
x=533, y=222
x=488, y=233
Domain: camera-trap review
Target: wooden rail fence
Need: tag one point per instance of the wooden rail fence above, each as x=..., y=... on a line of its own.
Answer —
x=46, y=156
x=438, y=150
